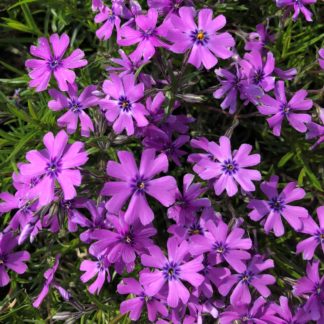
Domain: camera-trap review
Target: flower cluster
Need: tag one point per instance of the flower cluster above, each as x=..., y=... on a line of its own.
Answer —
x=164, y=242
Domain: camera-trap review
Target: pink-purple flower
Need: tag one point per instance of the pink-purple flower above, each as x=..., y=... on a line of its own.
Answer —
x=321, y=58
x=52, y=62
x=298, y=6
x=110, y=20
x=203, y=40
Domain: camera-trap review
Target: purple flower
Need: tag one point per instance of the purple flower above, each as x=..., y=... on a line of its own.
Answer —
x=298, y=6
x=277, y=205
x=188, y=203
x=309, y=245
x=124, y=241
x=223, y=245
x=229, y=168
x=57, y=163
x=111, y=20
x=52, y=62
x=259, y=72
x=285, y=75
x=10, y=260
x=172, y=270
x=251, y=277
x=50, y=281
x=99, y=269
x=202, y=40
x=135, y=305
x=166, y=7
x=75, y=104
x=136, y=183
x=257, y=40
x=283, y=310
x=321, y=58
x=96, y=5
x=312, y=286
x=146, y=35
x=121, y=105
x=281, y=109
x=258, y=313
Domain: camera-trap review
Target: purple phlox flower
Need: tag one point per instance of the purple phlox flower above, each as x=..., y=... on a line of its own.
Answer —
x=52, y=62
x=30, y=227
x=321, y=58
x=316, y=130
x=97, y=220
x=258, y=71
x=257, y=40
x=96, y=5
x=137, y=183
x=171, y=271
x=193, y=224
x=167, y=7
x=125, y=241
x=287, y=74
x=122, y=106
x=157, y=139
x=57, y=163
x=312, y=287
x=280, y=109
x=188, y=202
x=200, y=143
x=98, y=269
x=136, y=304
x=309, y=245
x=146, y=35
x=234, y=84
x=203, y=41
x=277, y=205
x=76, y=105
x=10, y=260
x=284, y=312
x=298, y=6
x=251, y=277
x=229, y=169
x=50, y=282
x=110, y=20
x=24, y=183
x=223, y=245
x=155, y=109
x=259, y=312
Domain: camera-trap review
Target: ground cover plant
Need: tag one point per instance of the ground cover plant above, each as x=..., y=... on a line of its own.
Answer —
x=162, y=161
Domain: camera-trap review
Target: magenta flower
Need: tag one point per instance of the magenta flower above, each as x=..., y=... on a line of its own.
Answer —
x=312, y=286
x=146, y=35
x=75, y=104
x=121, y=105
x=137, y=183
x=50, y=282
x=251, y=277
x=309, y=245
x=204, y=43
x=111, y=20
x=52, y=62
x=298, y=6
x=257, y=40
x=125, y=241
x=229, y=169
x=135, y=305
x=277, y=205
x=281, y=109
x=57, y=163
x=223, y=245
x=258, y=72
x=10, y=260
x=98, y=269
x=188, y=203
x=166, y=7
x=172, y=270
x=321, y=58
x=284, y=311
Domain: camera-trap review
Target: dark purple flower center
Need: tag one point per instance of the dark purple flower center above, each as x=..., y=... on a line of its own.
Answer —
x=66, y=204
x=53, y=168
x=146, y=34
x=139, y=184
x=246, y=318
x=124, y=104
x=101, y=264
x=75, y=106
x=33, y=182
x=258, y=76
x=195, y=229
x=220, y=247
x=317, y=288
x=229, y=167
x=277, y=204
x=128, y=238
x=246, y=277
x=285, y=109
x=171, y=271
x=320, y=236
x=199, y=37
x=54, y=63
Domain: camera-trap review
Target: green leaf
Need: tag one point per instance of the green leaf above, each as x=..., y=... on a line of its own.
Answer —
x=285, y=159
